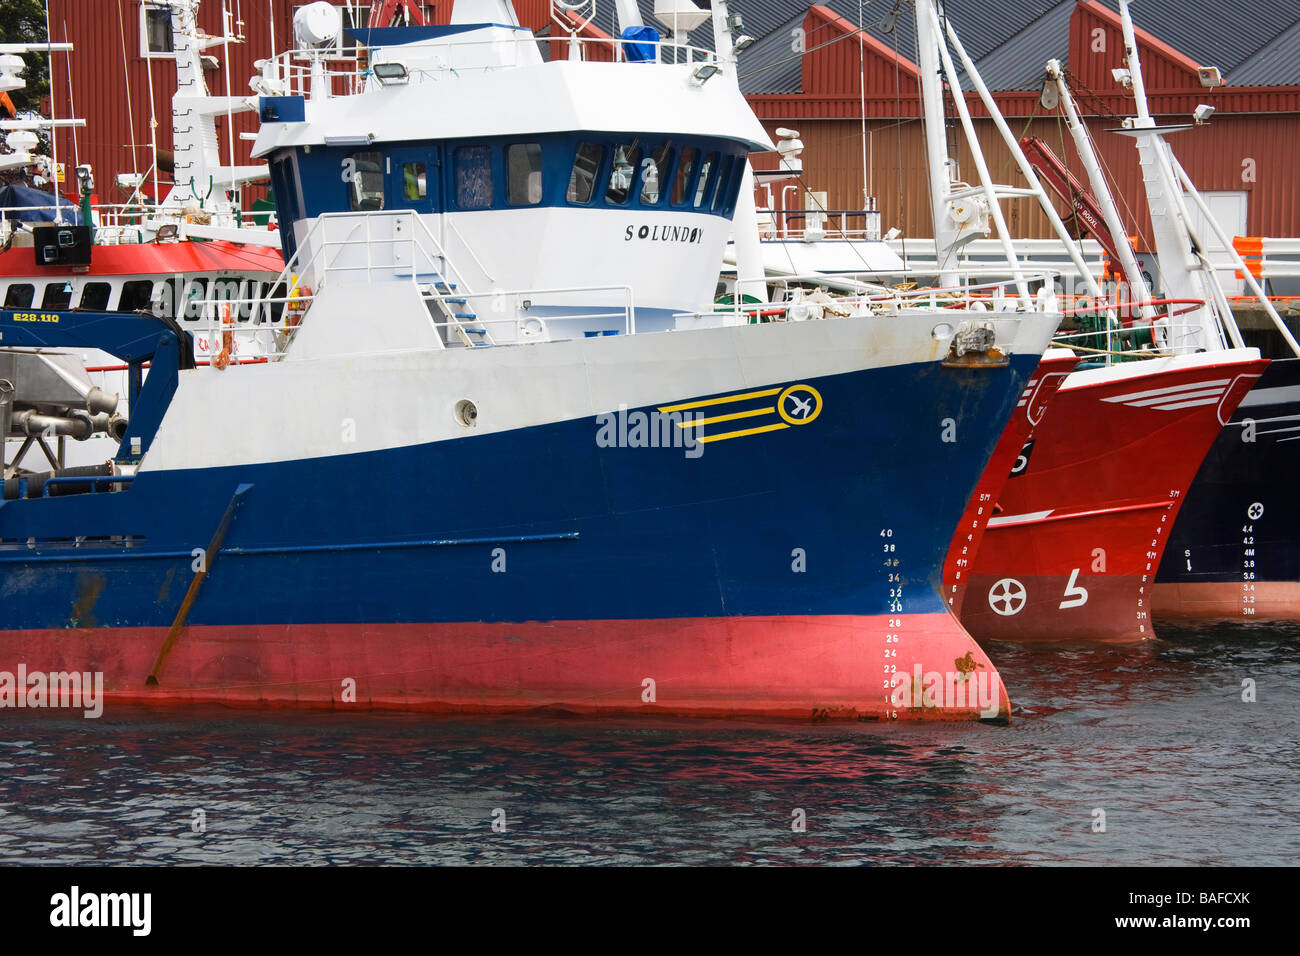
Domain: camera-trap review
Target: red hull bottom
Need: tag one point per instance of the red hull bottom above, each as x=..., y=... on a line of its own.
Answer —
x=911, y=667
x=1115, y=612
x=1105, y=595
x=1229, y=601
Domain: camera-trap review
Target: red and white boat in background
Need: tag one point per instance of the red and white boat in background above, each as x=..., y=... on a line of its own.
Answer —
x=1072, y=549
x=163, y=258
x=1009, y=459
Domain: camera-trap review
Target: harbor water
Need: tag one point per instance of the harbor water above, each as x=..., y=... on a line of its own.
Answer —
x=1135, y=754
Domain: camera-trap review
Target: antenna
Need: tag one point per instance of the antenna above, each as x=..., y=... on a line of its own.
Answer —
x=54, y=136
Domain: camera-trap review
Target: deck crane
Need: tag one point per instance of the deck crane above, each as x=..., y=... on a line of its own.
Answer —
x=1086, y=217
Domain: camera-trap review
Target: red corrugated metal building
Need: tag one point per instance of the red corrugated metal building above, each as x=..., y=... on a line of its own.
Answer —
x=1246, y=152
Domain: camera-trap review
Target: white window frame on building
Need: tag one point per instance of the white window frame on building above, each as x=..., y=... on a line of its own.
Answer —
x=146, y=47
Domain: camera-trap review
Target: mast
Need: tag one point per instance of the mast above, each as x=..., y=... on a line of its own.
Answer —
x=1184, y=267
x=751, y=277
x=981, y=166
x=941, y=165
x=1185, y=272
x=1026, y=169
x=1101, y=189
x=200, y=176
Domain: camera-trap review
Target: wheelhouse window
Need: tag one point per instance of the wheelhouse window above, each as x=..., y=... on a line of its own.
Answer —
x=524, y=174
x=195, y=298
x=474, y=177
x=19, y=295
x=682, y=181
x=58, y=295
x=155, y=30
x=724, y=183
x=136, y=295
x=623, y=172
x=366, y=182
x=284, y=185
x=734, y=185
x=586, y=166
x=415, y=181
x=708, y=170
x=94, y=296
x=656, y=174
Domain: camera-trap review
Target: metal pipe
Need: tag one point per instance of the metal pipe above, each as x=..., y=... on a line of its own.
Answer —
x=113, y=425
x=77, y=425
x=6, y=409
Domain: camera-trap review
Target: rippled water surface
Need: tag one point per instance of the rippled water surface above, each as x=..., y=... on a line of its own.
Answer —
x=1157, y=736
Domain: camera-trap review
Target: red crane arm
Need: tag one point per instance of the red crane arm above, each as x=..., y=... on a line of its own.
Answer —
x=384, y=13
x=1087, y=215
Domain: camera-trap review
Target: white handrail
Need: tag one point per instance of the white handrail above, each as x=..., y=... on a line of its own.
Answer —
x=293, y=68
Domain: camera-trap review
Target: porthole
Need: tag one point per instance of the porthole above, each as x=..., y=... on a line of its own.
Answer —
x=466, y=413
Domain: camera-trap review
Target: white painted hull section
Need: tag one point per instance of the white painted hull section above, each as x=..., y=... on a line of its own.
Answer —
x=342, y=405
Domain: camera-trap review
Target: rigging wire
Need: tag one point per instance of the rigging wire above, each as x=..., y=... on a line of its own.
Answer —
x=54, y=132
x=126, y=83
x=868, y=178
x=1096, y=105
x=898, y=134
x=72, y=104
x=797, y=56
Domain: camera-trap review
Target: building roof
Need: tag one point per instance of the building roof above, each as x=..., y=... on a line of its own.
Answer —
x=1254, y=42
x=1018, y=62
x=771, y=65
x=1277, y=63
x=1222, y=33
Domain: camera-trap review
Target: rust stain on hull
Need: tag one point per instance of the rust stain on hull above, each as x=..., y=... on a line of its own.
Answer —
x=165, y=588
x=89, y=588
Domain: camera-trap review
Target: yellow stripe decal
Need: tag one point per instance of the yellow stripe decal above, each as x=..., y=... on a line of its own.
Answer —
x=742, y=432
x=703, y=403
x=727, y=418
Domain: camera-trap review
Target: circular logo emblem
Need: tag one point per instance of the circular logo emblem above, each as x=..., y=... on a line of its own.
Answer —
x=1255, y=511
x=799, y=404
x=1007, y=597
